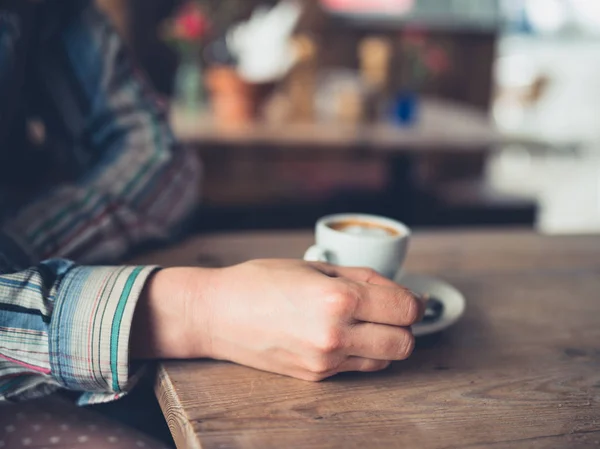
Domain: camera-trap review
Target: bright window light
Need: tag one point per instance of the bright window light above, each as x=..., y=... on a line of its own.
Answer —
x=587, y=14
x=547, y=16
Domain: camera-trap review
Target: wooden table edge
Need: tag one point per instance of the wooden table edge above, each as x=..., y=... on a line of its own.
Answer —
x=181, y=430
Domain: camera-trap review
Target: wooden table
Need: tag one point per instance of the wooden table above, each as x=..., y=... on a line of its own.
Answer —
x=521, y=370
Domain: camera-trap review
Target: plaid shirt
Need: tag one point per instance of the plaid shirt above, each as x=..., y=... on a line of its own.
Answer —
x=63, y=325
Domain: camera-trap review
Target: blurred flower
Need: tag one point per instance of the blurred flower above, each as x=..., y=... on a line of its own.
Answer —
x=422, y=59
x=190, y=24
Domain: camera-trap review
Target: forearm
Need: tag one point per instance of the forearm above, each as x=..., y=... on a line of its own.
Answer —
x=171, y=320
x=99, y=222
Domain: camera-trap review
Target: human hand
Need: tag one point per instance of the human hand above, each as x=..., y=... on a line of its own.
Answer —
x=305, y=320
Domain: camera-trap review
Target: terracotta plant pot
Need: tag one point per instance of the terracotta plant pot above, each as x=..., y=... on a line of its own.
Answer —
x=232, y=98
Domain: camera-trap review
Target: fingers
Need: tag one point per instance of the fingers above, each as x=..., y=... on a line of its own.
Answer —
x=349, y=365
x=395, y=306
x=379, y=300
x=365, y=275
x=379, y=342
x=363, y=365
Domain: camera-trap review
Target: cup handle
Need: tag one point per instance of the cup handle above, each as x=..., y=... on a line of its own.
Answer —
x=316, y=254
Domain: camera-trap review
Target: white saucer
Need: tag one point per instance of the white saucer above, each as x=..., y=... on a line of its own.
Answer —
x=453, y=300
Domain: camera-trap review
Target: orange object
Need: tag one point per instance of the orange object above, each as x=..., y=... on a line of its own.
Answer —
x=232, y=98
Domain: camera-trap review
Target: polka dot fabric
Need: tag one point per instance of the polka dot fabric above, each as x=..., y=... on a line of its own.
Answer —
x=55, y=424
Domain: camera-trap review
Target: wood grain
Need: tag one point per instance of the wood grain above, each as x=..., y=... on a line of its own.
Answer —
x=176, y=417
x=520, y=370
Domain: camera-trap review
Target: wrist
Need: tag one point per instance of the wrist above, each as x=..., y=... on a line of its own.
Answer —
x=171, y=318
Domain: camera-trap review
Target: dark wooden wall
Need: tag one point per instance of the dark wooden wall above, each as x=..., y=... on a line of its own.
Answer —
x=472, y=53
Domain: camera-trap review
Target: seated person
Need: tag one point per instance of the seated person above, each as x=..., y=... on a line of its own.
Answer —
x=101, y=176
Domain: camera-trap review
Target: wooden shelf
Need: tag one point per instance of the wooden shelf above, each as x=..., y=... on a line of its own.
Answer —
x=443, y=126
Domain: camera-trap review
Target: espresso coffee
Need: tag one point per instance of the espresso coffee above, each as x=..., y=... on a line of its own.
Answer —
x=364, y=228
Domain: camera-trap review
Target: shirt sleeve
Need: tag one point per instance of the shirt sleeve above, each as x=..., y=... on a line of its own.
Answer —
x=134, y=184
x=64, y=326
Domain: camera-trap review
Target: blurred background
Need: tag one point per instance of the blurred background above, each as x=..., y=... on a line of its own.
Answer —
x=440, y=113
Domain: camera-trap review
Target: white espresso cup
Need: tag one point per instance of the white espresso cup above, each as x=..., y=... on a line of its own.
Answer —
x=358, y=240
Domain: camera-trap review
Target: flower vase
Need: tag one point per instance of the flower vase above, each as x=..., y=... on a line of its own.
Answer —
x=406, y=108
x=190, y=97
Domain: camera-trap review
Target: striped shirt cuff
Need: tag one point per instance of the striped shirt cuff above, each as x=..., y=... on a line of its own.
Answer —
x=90, y=328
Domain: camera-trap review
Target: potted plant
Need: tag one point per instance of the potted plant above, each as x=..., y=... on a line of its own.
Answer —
x=187, y=31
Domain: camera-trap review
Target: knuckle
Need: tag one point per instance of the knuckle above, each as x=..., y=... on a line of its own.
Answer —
x=340, y=301
x=368, y=274
x=329, y=341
